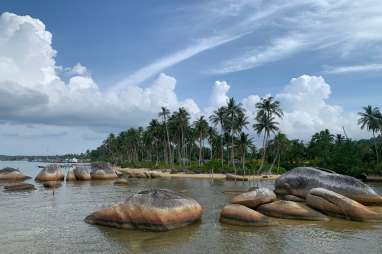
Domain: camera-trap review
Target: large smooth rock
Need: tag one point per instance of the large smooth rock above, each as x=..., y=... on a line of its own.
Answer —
x=335, y=204
x=12, y=174
x=155, y=210
x=70, y=176
x=102, y=171
x=254, y=198
x=300, y=181
x=233, y=177
x=19, y=187
x=50, y=173
x=290, y=210
x=240, y=215
x=155, y=173
x=82, y=173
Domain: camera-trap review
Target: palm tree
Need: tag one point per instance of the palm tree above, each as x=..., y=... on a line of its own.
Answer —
x=370, y=119
x=165, y=113
x=267, y=125
x=266, y=109
x=234, y=113
x=181, y=121
x=244, y=142
x=201, y=128
x=218, y=118
x=280, y=144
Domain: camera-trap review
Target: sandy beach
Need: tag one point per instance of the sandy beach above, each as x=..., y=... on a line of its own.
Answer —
x=166, y=173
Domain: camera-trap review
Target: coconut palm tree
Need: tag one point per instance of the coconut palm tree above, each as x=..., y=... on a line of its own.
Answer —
x=267, y=108
x=370, y=119
x=165, y=114
x=181, y=120
x=234, y=113
x=244, y=143
x=201, y=128
x=265, y=124
x=218, y=118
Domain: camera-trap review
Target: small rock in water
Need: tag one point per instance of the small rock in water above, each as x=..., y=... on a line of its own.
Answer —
x=121, y=181
x=243, y=216
x=253, y=199
x=20, y=187
x=12, y=174
x=290, y=210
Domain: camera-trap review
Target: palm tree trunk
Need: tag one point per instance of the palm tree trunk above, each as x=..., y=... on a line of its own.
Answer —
x=222, y=146
x=200, y=150
x=264, y=151
x=376, y=148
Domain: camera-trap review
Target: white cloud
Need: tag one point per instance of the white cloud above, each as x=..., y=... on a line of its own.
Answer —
x=278, y=49
x=157, y=66
x=353, y=68
x=307, y=110
x=306, y=26
x=32, y=91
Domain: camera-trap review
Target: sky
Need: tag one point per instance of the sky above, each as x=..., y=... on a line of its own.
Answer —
x=73, y=71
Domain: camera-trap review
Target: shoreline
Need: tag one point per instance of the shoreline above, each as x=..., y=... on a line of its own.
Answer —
x=215, y=176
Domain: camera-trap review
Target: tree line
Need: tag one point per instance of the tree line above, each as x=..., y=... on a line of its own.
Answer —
x=222, y=142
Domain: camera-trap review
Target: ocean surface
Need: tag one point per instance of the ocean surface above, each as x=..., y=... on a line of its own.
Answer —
x=38, y=222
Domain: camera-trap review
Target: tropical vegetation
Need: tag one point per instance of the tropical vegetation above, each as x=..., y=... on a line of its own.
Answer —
x=224, y=142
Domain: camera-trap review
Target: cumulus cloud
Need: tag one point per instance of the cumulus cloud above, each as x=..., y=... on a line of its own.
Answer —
x=307, y=110
x=32, y=90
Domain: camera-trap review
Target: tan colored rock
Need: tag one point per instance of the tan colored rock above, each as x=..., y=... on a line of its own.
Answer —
x=12, y=174
x=138, y=173
x=335, y=204
x=233, y=177
x=253, y=199
x=155, y=173
x=82, y=173
x=102, y=171
x=121, y=181
x=20, y=187
x=70, y=176
x=51, y=172
x=290, y=210
x=240, y=215
x=155, y=210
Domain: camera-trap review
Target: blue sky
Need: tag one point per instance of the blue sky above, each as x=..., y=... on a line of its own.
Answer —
x=119, y=61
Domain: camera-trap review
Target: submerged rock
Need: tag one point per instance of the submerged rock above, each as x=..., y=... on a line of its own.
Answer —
x=300, y=181
x=254, y=198
x=338, y=205
x=102, y=171
x=121, y=181
x=50, y=173
x=20, y=187
x=290, y=210
x=82, y=173
x=156, y=210
x=52, y=184
x=12, y=174
x=70, y=176
x=233, y=177
x=235, y=214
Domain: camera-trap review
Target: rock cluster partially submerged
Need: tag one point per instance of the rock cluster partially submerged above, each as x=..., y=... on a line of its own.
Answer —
x=304, y=194
x=154, y=210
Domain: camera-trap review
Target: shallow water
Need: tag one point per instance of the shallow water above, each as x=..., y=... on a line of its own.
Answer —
x=38, y=222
